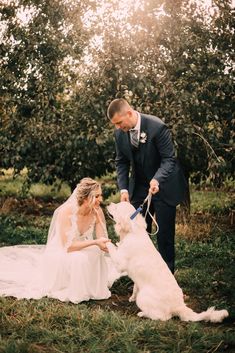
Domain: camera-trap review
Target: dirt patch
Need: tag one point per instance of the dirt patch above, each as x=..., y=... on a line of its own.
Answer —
x=29, y=206
x=118, y=303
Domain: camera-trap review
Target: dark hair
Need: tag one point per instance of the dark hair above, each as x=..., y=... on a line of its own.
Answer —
x=116, y=106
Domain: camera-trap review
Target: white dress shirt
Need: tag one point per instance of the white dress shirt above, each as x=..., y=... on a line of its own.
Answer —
x=137, y=127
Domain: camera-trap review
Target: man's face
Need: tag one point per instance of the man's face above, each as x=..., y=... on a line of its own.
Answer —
x=123, y=121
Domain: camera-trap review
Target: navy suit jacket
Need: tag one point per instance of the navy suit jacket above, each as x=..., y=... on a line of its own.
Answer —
x=157, y=158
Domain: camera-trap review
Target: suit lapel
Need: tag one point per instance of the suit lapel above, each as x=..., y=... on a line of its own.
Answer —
x=127, y=144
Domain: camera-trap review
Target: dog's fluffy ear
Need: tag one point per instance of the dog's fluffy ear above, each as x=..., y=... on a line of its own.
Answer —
x=111, y=208
x=125, y=225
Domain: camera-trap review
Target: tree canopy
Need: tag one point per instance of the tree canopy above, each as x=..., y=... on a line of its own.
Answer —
x=62, y=62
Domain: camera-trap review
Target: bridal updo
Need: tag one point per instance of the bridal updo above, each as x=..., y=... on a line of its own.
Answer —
x=87, y=189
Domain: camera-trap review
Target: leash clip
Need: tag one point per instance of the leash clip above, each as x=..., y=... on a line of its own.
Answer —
x=139, y=209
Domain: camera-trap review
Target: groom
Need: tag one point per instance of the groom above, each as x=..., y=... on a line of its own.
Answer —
x=145, y=161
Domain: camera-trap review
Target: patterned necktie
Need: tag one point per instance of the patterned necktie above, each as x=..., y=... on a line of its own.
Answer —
x=134, y=138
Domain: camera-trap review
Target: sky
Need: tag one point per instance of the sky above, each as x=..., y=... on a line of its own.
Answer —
x=123, y=7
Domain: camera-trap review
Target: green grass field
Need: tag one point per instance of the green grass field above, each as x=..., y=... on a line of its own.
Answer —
x=205, y=253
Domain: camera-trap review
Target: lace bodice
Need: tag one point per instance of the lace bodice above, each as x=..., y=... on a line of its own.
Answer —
x=74, y=234
x=88, y=234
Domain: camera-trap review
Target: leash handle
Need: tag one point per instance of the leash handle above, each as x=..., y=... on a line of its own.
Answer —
x=148, y=199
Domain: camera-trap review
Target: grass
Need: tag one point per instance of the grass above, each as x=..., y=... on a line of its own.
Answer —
x=205, y=249
x=11, y=185
x=213, y=201
x=50, y=326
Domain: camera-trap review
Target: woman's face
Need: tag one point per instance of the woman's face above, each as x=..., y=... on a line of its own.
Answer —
x=95, y=201
x=98, y=197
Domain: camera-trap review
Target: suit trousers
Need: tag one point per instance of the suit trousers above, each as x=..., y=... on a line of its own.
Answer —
x=165, y=217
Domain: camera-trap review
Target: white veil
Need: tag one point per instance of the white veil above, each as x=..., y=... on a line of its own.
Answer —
x=31, y=271
x=51, y=270
x=53, y=238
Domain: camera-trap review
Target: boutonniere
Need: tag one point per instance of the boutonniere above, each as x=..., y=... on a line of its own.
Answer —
x=143, y=137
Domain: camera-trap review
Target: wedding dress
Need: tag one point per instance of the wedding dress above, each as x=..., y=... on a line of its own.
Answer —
x=35, y=271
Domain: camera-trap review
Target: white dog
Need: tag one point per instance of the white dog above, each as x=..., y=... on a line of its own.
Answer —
x=156, y=291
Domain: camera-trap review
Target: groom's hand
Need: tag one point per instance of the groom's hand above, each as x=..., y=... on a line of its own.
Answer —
x=153, y=186
x=124, y=196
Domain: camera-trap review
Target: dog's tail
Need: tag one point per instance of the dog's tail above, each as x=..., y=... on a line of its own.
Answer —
x=187, y=314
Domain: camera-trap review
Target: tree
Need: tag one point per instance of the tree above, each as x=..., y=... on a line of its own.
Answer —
x=43, y=126
x=176, y=62
x=60, y=70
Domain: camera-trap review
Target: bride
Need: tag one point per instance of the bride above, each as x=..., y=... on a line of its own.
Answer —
x=72, y=266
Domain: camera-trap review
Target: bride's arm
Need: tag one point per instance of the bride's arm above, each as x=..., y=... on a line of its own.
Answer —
x=100, y=225
x=79, y=245
x=75, y=245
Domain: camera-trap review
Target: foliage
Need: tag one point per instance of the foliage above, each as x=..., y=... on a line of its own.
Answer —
x=212, y=202
x=15, y=230
x=61, y=68
x=43, y=127
x=177, y=64
x=12, y=184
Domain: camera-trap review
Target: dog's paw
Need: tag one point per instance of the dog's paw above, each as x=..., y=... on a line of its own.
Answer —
x=140, y=314
x=110, y=245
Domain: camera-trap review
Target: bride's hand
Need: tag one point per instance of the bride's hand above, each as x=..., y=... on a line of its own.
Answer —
x=101, y=242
